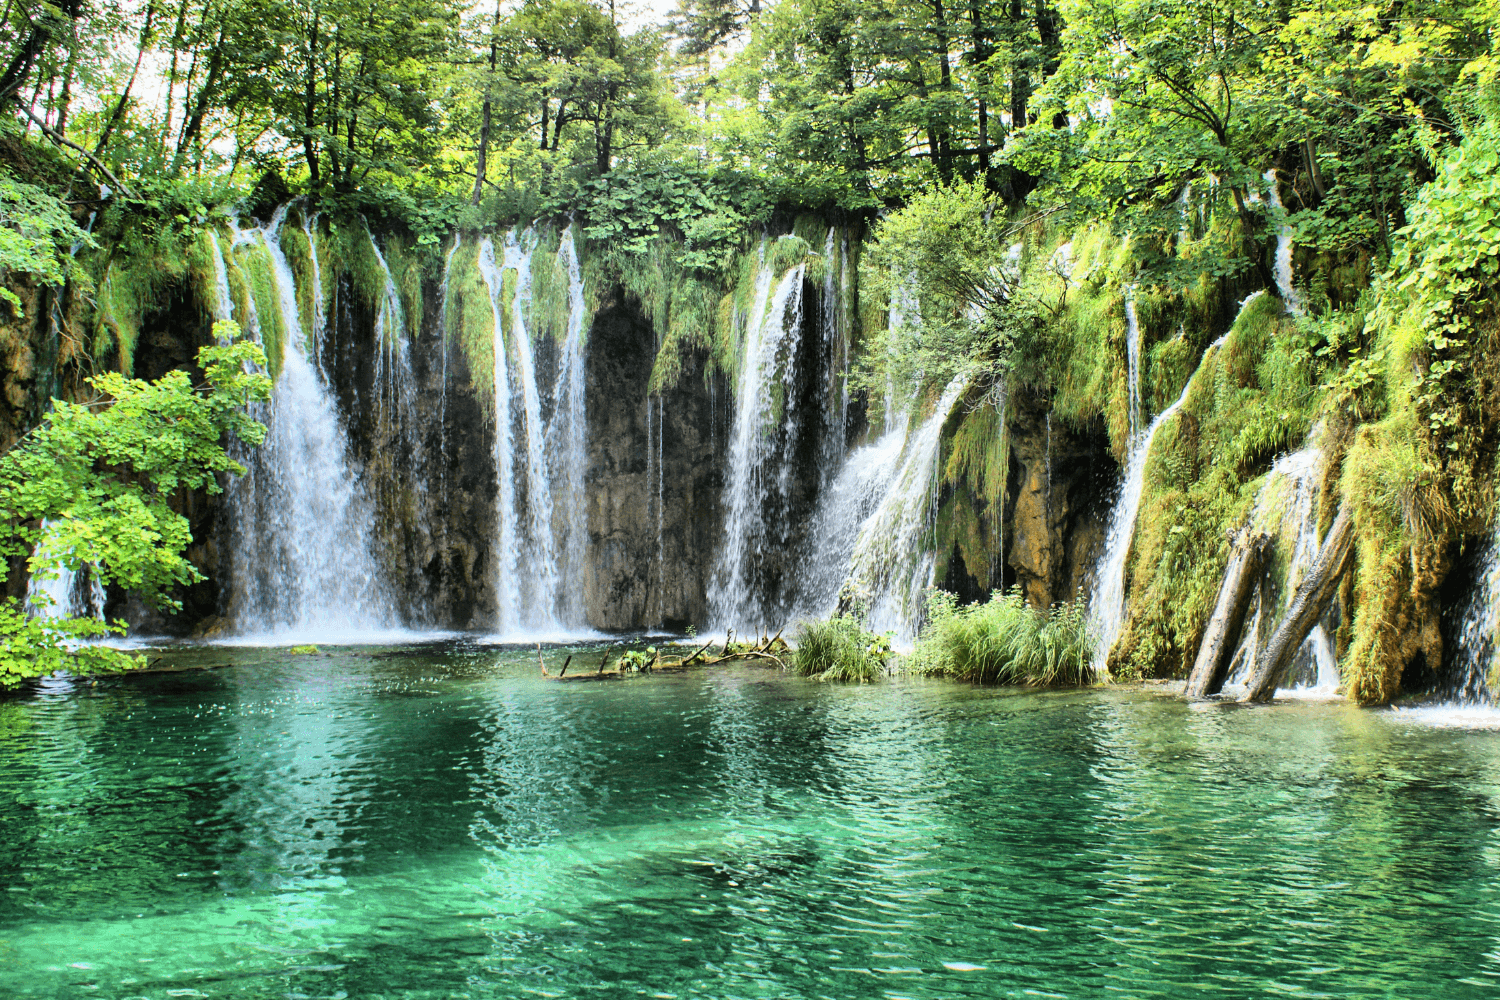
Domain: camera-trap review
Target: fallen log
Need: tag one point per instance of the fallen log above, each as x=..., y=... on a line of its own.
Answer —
x=1308, y=603
x=1246, y=560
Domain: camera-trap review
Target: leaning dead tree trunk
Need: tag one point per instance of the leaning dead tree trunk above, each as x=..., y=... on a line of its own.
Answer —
x=1308, y=604
x=1246, y=560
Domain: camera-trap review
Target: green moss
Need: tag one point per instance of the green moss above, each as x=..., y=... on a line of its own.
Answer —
x=252, y=282
x=1203, y=476
x=131, y=282
x=470, y=321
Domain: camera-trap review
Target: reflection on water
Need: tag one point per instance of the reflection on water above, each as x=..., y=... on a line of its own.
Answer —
x=441, y=822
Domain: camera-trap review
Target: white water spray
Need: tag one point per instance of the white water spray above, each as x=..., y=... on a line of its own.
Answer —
x=1133, y=355
x=760, y=456
x=1285, y=285
x=302, y=525
x=893, y=562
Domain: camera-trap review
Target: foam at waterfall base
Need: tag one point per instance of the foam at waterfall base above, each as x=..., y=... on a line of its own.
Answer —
x=1448, y=715
x=545, y=636
x=333, y=636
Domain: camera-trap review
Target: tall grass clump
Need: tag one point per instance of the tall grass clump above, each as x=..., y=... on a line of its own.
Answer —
x=840, y=648
x=1006, y=641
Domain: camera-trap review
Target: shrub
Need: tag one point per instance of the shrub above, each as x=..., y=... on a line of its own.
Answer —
x=1005, y=641
x=840, y=649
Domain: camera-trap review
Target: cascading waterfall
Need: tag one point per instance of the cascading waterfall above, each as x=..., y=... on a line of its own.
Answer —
x=1478, y=632
x=760, y=458
x=844, y=506
x=395, y=382
x=223, y=300
x=443, y=381
x=892, y=566
x=319, y=308
x=301, y=523
x=1107, y=609
x=540, y=463
x=568, y=443
x=508, y=555
x=1285, y=285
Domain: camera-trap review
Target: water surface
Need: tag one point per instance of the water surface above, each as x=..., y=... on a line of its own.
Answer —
x=441, y=822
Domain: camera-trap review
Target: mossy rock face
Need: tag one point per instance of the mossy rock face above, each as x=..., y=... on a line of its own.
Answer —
x=1203, y=476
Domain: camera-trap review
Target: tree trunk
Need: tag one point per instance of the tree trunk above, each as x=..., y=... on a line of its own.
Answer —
x=1020, y=73
x=193, y=127
x=1225, y=625
x=481, y=162
x=1307, y=605
x=140, y=53
x=65, y=99
x=1310, y=154
x=310, y=104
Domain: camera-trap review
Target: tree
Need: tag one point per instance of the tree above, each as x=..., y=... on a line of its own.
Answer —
x=93, y=486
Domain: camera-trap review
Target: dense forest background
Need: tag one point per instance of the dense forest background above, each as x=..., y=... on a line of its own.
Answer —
x=1026, y=174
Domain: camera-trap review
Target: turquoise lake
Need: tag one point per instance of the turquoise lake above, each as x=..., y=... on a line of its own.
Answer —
x=442, y=822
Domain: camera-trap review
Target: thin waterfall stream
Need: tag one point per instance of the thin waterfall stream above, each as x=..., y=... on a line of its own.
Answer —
x=759, y=452
x=1108, y=607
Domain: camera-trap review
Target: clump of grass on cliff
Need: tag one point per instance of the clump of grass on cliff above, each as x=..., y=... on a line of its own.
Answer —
x=840, y=648
x=1006, y=641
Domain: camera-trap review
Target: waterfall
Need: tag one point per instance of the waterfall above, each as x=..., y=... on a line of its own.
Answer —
x=64, y=592
x=892, y=565
x=1289, y=502
x=301, y=524
x=507, y=556
x=568, y=443
x=395, y=382
x=539, y=464
x=1133, y=353
x=1478, y=631
x=1285, y=287
x=443, y=349
x=319, y=320
x=1107, y=610
x=760, y=459
x=904, y=313
x=223, y=300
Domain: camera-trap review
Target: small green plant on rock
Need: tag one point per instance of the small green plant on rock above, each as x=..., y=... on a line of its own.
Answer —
x=638, y=659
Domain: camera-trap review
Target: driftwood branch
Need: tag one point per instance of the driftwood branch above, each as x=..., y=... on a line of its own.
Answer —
x=772, y=641
x=564, y=670
x=1308, y=603
x=1246, y=560
x=700, y=652
x=539, y=660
